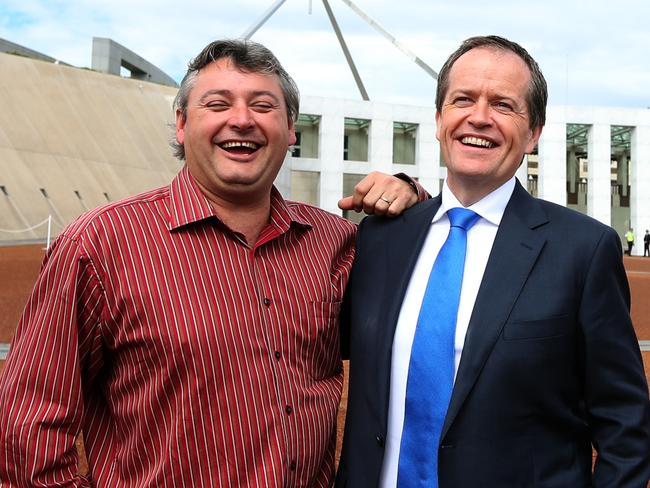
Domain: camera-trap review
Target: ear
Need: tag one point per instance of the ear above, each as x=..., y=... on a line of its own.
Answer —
x=438, y=125
x=292, y=133
x=534, y=138
x=180, y=126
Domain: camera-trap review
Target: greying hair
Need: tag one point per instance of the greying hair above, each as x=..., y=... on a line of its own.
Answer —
x=247, y=56
x=537, y=95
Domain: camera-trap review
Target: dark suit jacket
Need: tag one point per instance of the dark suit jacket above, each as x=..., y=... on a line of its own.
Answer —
x=550, y=365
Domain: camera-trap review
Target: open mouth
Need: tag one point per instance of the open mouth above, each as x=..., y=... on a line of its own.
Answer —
x=477, y=142
x=239, y=147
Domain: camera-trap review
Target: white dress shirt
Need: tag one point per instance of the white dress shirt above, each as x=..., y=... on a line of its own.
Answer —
x=479, y=244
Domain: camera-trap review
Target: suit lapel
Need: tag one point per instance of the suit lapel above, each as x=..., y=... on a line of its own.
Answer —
x=514, y=252
x=404, y=240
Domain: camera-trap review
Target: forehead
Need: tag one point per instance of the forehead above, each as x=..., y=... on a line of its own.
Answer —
x=490, y=66
x=224, y=74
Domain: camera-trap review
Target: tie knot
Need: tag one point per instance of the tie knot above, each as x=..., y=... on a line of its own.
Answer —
x=462, y=217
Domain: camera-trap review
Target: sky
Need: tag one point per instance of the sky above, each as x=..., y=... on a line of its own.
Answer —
x=591, y=52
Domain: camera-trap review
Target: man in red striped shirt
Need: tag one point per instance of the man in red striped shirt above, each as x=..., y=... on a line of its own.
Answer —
x=191, y=332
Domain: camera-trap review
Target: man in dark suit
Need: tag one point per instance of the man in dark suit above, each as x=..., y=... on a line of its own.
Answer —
x=543, y=362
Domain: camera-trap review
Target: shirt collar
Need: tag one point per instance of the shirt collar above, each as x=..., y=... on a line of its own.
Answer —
x=283, y=213
x=188, y=205
x=491, y=207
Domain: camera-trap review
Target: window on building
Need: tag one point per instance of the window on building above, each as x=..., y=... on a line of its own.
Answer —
x=307, y=136
x=355, y=141
x=404, y=142
x=305, y=186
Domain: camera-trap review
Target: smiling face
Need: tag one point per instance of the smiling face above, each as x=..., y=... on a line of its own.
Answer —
x=484, y=126
x=236, y=133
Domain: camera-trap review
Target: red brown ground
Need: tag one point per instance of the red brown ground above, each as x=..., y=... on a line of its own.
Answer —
x=19, y=266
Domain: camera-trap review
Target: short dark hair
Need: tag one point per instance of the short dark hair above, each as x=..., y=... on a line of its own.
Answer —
x=247, y=56
x=537, y=95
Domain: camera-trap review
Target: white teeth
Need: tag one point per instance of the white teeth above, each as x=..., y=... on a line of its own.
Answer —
x=475, y=141
x=250, y=145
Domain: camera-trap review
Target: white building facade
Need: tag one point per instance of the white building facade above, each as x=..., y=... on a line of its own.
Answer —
x=593, y=159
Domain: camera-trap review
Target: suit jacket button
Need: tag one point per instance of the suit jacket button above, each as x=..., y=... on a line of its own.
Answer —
x=380, y=440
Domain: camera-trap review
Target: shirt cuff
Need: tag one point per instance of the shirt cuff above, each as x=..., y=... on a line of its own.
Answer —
x=419, y=190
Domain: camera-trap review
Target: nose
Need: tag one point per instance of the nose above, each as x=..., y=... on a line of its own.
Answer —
x=480, y=115
x=241, y=117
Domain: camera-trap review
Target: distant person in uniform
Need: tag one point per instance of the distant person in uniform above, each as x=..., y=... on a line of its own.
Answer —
x=629, y=238
x=646, y=243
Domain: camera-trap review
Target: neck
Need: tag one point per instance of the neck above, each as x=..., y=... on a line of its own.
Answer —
x=244, y=215
x=246, y=221
x=467, y=195
x=468, y=191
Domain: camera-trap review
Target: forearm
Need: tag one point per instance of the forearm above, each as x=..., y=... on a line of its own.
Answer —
x=41, y=400
x=40, y=411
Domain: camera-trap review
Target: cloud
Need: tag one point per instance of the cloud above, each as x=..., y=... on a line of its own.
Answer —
x=591, y=52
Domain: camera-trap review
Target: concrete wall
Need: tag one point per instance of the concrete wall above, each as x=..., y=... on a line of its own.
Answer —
x=13, y=48
x=72, y=139
x=110, y=57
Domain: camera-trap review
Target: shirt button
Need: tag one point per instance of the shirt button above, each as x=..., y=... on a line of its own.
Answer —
x=278, y=355
x=288, y=409
x=267, y=302
x=380, y=440
x=292, y=466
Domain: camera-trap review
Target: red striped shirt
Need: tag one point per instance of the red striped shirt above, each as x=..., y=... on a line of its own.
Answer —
x=187, y=358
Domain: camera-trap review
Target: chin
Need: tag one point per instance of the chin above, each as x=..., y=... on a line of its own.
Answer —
x=241, y=182
x=472, y=171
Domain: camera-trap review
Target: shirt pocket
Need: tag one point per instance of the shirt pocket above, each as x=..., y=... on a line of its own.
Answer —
x=321, y=339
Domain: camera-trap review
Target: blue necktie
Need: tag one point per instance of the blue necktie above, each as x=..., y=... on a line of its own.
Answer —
x=431, y=368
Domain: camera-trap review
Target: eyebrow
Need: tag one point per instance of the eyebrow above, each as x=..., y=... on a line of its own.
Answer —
x=227, y=93
x=497, y=96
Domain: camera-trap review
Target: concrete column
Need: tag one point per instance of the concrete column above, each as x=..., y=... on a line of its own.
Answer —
x=640, y=185
x=572, y=169
x=283, y=180
x=106, y=56
x=380, y=142
x=622, y=172
x=552, y=163
x=599, y=149
x=427, y=158
x=522, y=172
x=332, y=128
